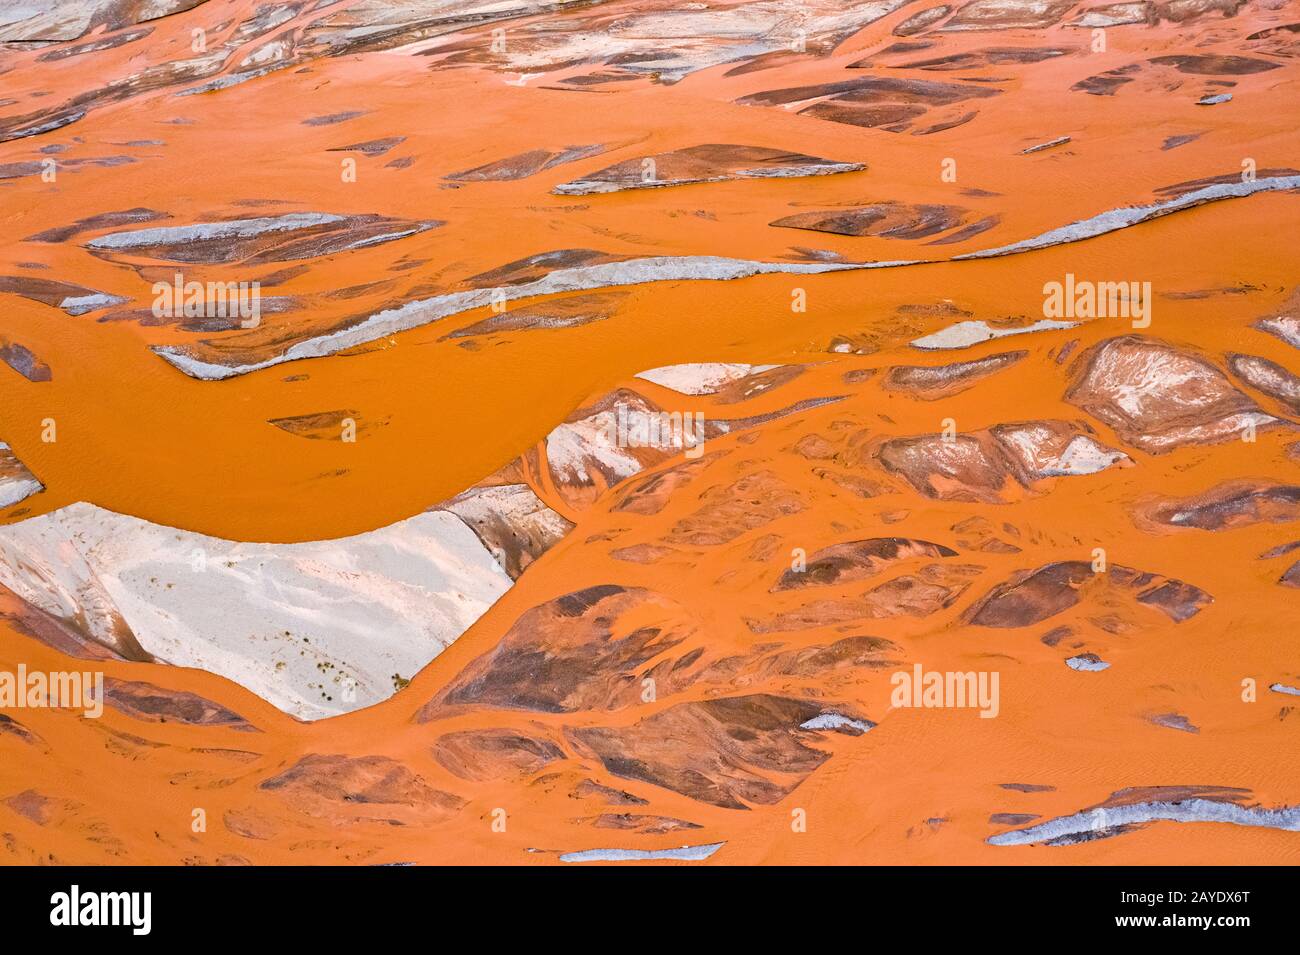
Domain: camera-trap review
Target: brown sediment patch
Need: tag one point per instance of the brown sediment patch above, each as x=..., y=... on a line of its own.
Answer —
x=250, y=824
x=571, y=653
x=571, y=311
x=345, y=424
x=727, y=752
x=1207, y=64
x=11, y=727
x=111, y=42
x=848, y=655
x=990, y=465
x=1235, y=503
x=103, y=220
x=537, y=266
x=873, y=91
x=714, y=162
x=1174, y=721
x=979, y=59
x=511, y=521
x=1141, y=794
x=588, y=789
x=1034, y=596
x=20, y=359
x=73, y=299
x=931, y=589
x=919, y=22
x=1106, y=84
x=964, y=467
x=978, y=227
x=857, y=560
x=331, y=119
x=1159, y=397
x=523, y=165
x=1007, y=15
x=652, y=493
x=39, y=808
x=282, y=238
x=729, y=511
x=1269, y=377
x=61, y=635
x=1012, y=818
x=931, y=382
x=371, y=147
x=156, y=704
x=480, y=755
x=756, y=383
x=887, y=220
x=645, y=824
x=976, y=533
x=1173, y=142
x=319, y=784
x=642, y=553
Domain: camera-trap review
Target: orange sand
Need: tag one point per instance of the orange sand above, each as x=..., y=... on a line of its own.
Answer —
x=137, y=436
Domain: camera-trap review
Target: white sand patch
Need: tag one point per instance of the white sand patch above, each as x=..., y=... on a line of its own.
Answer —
x=14, y=490
x=682, y=854
x=1285, y=327
x=81, y=304
x=1108, y=817
x=291, y=622
x=1085, y=456
x=1038, y=449
x=16, y=482
x=571, y=447
x=837, y=721
x=966, y=334
x=701, y=378
x=202, y=231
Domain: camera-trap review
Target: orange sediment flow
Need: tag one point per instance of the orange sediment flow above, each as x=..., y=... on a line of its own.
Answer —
x=137, y=436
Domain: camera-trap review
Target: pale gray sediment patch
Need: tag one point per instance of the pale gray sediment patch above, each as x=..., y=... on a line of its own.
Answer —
x=1214, y=100
x=1087, y=663
x=837, y=721
x=1058, y=141
x=58, y=122
x=233, y=229
x=425, y=311
x=1283, y=688
x=234, y=79
x=682, y=854
x=1284, y=327
x=1190, y=810
x=16, y=491
x=315, y=628
x=81, y=304
x=965, y=334
x=1115, y=219
x=584, y=278
x=17, y=483
x=386, y=237
x=590, y=187
x=701, y=378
